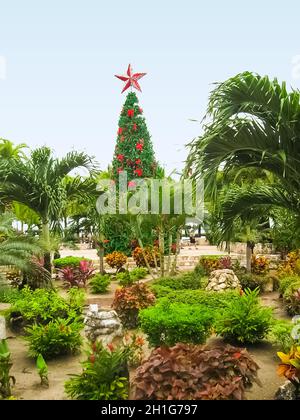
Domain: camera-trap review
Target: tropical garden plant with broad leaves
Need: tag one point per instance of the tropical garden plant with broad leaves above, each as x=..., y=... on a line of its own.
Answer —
x=39, y=184
x=255, y=123
x=188, y=372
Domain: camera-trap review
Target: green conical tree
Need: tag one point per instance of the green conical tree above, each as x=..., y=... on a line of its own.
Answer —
x=134, y=150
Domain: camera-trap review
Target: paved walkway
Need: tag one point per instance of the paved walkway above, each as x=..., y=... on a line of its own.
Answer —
x=186, y=251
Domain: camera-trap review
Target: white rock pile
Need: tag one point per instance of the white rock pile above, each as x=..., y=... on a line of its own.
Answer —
x=102, y=325
x=222, y=280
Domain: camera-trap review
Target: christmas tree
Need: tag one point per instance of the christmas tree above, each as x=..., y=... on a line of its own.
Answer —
x=134, y=150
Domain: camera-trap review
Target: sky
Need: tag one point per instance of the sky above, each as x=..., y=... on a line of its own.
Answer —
x=58, y=60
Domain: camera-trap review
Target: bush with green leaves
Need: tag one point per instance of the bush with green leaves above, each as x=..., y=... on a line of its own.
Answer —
x=72, y=262
x=244, y=320
x=59, y=337
x=42, y=306
x=100, y=283
x=252, y=281
x=9, y=294
x=281, y=335
x=210, y=300
x=129, y=277
x=168, y=323
x=104, y=377
x=181, y=282
x=286, y=282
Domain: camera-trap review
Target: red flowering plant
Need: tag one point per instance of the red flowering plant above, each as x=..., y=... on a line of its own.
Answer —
x=77, y=276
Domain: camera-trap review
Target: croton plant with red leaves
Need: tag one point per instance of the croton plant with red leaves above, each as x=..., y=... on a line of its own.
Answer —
x=188, y=372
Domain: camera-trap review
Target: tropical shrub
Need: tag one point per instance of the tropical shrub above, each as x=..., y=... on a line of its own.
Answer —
x=244, y=320
x=129, y=301
x=6, y=380
x=290, y=366
x=181, y=282
x=9, y=294
x=281, y=335
x=57, y=338
x=187, y=372
x=125, y=278
x=73, y=262
x=286, y=282
x=100, y=283
x=116, y=260
x=210, y=300
x=210, y=263
x=77, y=276
x=42, y=306
x=169, y=324
x=225, y=263
x=252, y=281
x=292, y=301
x=259, y=265
x=152, y=256
x=104, y=376
x=291, y=266
x=138, y=273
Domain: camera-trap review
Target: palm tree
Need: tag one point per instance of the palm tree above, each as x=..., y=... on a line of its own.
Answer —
x=39, y=184
x=19, y=251
x=9, y=151
x=254, y=123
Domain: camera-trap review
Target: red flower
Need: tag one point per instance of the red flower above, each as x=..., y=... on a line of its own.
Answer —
x=138, y=161
x=135, y=127
x=139, y=147
x=120, y=131
x=139, y=172
x=120, y=158
x=131, y=184
x=130, y=113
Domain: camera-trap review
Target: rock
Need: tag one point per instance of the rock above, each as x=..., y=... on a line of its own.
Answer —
x=286, y=392
x=2, y=328
x=102, y=325
x=221, y=280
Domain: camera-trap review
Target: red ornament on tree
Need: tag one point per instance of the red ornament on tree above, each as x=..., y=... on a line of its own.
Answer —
x=135, y=127
x=130, y=113
x=120, y=131
x=141, y=110
x=139, y=172
x=138, y=161
x=131, y=79
x=139, y=147
x=120, y=158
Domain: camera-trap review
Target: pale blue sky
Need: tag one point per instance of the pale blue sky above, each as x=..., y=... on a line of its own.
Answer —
x=61, y=58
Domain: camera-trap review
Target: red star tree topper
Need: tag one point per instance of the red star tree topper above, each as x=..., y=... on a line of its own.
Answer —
x=131, y=79
x=134, y=150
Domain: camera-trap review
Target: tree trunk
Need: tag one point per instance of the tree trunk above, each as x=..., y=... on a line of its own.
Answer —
x=101, y=260
x=162, y=250
x=46, y=238
x=248, y=256
x=178, y=237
